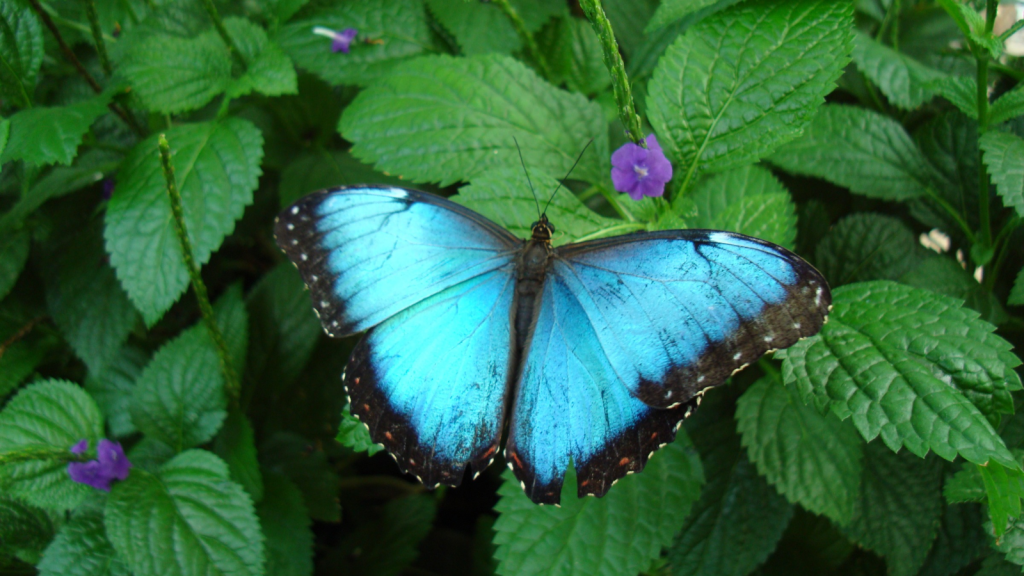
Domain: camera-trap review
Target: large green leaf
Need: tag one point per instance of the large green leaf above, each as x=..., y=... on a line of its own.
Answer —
x=55, y=415
x=113, y=387
x=862, y=150
x=400, y=25
x=443, y=119
x=749, y=200
x=21, y=52
x=1008, y=106
x=179, y=398
x=813, y=460
x=867, y=246
x=961, y=540
x=51, y=135
x=216, y=167
x=24, y=530
x=720, y=99
x=902, y=362
x=898, y=509
x=1004, y=156
x=235, y=443
x=286, y=525
x=950, y=144
x=481, y=27
x=906, y=82
x=620, y=533
x=268, y=70
x=671, y=11
x=961, y=91
x=192, y=503
x=944, y=275
x=81, y=548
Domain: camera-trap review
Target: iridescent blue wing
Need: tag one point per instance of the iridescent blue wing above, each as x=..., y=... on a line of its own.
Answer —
x=434, y=283
x=630, y=330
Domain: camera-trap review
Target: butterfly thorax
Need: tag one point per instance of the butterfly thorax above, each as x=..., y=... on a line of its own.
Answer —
x=533, y=266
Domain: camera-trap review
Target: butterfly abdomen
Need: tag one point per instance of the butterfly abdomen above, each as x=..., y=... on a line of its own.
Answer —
x=529, y=281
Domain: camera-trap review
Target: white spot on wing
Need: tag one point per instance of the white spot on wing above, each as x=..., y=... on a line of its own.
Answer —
x=295, y=209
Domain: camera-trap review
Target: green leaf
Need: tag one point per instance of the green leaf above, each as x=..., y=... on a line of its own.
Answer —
x=318, y=169
x=965, y=486
x=720, y=99
x=193, y=503
x=216, y=167
x=1007, y=107
x=443, y=119
x=749, y=200
x=671, y=11
x=899, y=361
x=21, y=52
x=906, y=82
x=482, y=28
x=13, y=255
x=1004, y=487
x=51, y=414
x=628, y=18
x=504, y=196
x=113, y=387
x=84, y=297
x=1004, y=156
x=401, y=24
x=735, y=495
x=574, y=54
x=171, y=74
x=639, y=515
x=286, y=525
x=354, y=434
x=42, y=136
x=179, y=398
x=867, y=246
x=813, y=460
x=961, y=540
x=5, y=132
x=1012, y=542
x=24, y=530
x=950, y=144
x=1016, y=297
x=972, y=24
x=236, y=445
x=305, y=465
x=898, y=510
x=388, y=543
x=944, y=275
x=961, y=91
x=268, y=70
x=861, y=150
x=81, y=548
x=995, y=565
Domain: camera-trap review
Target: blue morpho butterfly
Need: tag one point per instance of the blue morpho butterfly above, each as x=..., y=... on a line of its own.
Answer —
x=593, y=352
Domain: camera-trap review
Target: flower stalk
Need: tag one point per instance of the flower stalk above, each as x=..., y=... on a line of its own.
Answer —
x=97, y=36
x=613, y=61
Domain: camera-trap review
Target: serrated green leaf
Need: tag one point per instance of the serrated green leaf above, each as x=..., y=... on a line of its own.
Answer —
x=21, y=52
x=949, y=142
x=1004, y=487
x=574, y=55
x=482, y=28
x=51, y=414
x=401, y=24
x=898, y=511
x=354, y=434
x=1004, y=156
x=286, y=525
x=443, y=119
x=972, y=24
x=961, y=91
x=268, y=70
x=898, y=360
x=965, y=486
x=235, y=443
x=24, y=530
x=1007, y=107
x=216, y=167
x=42, y=136
x=749, y=200
x=171, y=74
x=628, y=18
x=906, y=82
x=1011, y=544
x=81, y=548
x=504, y=196
x=13, y=255
x=735, y=495
x=995, y=565
x=306, y=466
x=388, y=543
x=671, y=11
x=813, y=460
x=639, y=515
x=720, y=99
x=193, y=503
x=862, y=150
x=867, y=246
x=319, y=169
x=113, y=387
x=960, y=541
x=1016, y=297
x=179, y=398
x=83, y=295
x=944, y=275
x=150, y=454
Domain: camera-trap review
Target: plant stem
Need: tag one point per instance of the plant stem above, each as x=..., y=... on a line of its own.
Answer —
x=614, y=202
x=231, y=383
x=218, y=23
x=613, y=61
x=50, y=454
x=525, y=36
x=97, y=36
x=992, y=273
x=983, y=182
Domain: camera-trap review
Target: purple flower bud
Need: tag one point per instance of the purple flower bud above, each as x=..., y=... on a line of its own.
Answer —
x=89, y=473
x=81, y=447
x=641, y=172
x=111, y=464
x=340, y=41
x=112, y=459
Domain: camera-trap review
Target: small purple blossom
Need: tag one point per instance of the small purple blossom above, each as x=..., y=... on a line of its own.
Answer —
x=340, y=41
x=641, y=172
x=111, y=464
x=108, y=188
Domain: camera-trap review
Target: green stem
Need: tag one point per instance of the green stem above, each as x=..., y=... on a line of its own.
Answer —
x=614, y=202
x=231, y=383
x=50, y=454
x=524, y=35
x=992, y=274
x=991, y=10
x=613, y=61
x=218, y=23
x=983, y=182
x=97, y=36
x=934, y=196
x=895, y=9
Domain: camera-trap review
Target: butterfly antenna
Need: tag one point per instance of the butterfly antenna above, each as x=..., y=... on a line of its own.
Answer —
x=562, y=181
x=527, y=172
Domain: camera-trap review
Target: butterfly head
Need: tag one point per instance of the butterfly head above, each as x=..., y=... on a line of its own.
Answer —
x=542, y=229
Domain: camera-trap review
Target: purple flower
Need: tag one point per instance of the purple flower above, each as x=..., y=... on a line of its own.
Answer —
x=111, y=464
x=641, y=172
x=108, y=188
x=340, y=41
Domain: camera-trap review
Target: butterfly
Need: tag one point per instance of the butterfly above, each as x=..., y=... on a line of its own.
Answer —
x=591, y=353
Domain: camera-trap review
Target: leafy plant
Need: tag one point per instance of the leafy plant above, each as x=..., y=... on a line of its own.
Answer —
x=145, y=148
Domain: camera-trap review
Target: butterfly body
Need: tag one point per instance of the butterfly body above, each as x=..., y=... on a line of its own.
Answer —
x=592, y=353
